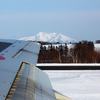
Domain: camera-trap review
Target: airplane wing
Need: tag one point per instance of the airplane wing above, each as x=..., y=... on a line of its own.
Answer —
x=19, y=78
x=60, y=96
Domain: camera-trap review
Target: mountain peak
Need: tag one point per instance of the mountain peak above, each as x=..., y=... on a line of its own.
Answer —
x=51, y=37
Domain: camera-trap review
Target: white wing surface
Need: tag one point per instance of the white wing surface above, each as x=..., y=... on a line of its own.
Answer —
x=19, y=78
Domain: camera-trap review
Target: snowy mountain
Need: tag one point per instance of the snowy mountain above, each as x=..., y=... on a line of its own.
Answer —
x=52, y=37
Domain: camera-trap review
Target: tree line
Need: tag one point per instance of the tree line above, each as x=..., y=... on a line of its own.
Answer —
x=82, y=52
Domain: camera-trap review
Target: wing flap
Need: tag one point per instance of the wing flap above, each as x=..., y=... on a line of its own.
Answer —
x=33, y=84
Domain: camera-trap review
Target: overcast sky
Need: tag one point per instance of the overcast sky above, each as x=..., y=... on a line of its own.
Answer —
x=78, y=19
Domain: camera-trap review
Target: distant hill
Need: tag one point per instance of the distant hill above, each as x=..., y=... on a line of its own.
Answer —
x=52, y=37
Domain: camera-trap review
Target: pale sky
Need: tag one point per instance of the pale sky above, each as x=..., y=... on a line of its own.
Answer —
x=78, y=19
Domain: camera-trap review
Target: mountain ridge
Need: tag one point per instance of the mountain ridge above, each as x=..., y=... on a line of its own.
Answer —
x=51, y=37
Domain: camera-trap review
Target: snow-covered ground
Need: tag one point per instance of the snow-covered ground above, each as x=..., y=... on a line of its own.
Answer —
x=57, y=45
x=78, y=85
x=97, y=47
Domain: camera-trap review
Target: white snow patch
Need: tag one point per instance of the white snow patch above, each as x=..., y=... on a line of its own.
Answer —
x=97, y=47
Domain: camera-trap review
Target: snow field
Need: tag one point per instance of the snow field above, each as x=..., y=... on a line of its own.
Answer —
x=78, y=85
